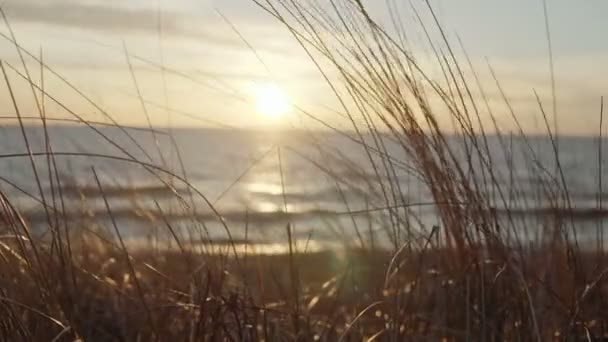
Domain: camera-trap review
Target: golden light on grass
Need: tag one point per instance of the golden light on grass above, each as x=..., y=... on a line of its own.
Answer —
x=270, y=100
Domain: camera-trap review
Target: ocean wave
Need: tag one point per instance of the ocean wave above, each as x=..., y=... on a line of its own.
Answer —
x=37, y=216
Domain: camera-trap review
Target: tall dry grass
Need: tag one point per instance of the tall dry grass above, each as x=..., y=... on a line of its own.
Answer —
x=473, y=276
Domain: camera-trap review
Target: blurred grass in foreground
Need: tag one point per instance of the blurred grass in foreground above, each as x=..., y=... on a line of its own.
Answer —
x=472, y=277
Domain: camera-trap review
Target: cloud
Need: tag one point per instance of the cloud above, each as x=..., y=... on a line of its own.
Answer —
x=113, y=19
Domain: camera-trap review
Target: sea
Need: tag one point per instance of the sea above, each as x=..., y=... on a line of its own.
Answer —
x=263, y=189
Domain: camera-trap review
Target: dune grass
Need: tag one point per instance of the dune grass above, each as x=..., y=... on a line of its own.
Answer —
x=473, y=276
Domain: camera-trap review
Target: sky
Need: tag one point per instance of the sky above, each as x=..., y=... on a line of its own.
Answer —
x=213, y=73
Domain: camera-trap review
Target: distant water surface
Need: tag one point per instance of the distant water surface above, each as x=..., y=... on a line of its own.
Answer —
x=261, y=181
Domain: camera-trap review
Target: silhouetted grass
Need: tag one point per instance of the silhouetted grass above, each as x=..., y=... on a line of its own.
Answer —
x=475, y=275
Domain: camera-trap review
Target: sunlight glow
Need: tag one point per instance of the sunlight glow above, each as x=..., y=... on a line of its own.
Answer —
x=270, y=100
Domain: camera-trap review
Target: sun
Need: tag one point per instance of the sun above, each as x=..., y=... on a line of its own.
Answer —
x=270, y=100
